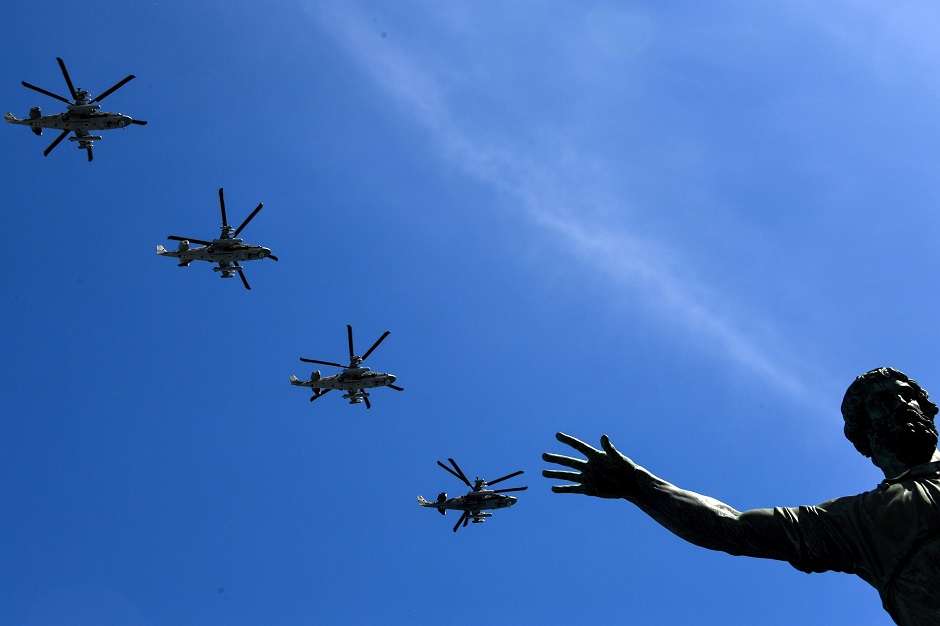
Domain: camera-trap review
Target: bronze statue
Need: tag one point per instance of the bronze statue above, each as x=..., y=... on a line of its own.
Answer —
x=889, y=537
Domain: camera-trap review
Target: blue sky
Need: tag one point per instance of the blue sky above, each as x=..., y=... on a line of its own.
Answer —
x=688, y=227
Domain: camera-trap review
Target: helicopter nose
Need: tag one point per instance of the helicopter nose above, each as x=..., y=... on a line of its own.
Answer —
x=391, y=379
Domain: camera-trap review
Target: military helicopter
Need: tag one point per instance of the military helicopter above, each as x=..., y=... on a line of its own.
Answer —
x=227, y=250
x=479, y=499
x=82, y=115
x=354, y=379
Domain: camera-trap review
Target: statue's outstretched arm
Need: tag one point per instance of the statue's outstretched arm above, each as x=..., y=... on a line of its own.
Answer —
x=699, y=519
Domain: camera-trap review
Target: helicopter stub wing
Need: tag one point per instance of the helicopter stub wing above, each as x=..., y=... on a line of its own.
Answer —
x=85, y=141
x=82, y=135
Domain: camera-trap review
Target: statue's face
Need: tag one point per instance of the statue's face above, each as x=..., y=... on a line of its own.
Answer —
x=892, y=411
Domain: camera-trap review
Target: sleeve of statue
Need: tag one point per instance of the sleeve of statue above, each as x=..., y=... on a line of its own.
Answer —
x=764, y=533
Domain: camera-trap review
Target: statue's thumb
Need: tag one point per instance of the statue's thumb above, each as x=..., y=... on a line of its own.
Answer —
x=609, y=448
x=614, y=454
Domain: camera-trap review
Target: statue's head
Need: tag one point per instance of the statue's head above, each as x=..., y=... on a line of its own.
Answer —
x=887, y=411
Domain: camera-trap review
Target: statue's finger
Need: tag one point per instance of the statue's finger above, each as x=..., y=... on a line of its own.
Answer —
x=577, y=444
x=567, y=461
x=571, y=477
x=569, y=489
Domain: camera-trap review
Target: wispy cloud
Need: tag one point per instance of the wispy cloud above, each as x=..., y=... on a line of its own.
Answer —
x=550, y=199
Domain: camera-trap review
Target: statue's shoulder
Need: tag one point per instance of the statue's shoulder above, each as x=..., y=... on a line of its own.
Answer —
x=844, y=504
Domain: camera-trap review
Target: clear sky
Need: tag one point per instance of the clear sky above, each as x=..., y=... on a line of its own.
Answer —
x=686, y=225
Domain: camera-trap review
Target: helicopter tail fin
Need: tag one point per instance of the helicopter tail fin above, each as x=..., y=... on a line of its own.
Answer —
x=423, y=502
x=11, y=118
x=294, y=380
x=161, y=249
x=35, y=113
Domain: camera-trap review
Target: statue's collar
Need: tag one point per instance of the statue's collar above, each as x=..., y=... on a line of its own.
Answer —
x=924, y=470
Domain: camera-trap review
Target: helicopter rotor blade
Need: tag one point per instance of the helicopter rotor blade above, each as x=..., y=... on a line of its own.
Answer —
x=120, y=84
x=321, y=362
x=460, y=472
x=462, y=520
x=352, y=353
x=376, y=344
x=139, y=122
x=241, y=275
x=190, y=240
x=55, y=142
x=43, y=91
x=499, y=480
x=510, y=489
x=456, y=475
x=396, y=387
x=68, y=81
x=222, y=204
x=366, y=398
x=91, y=157
x=248, y=219
x=320, y=393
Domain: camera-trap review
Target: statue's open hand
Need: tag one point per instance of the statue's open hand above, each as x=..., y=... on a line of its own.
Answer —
x=606, y=473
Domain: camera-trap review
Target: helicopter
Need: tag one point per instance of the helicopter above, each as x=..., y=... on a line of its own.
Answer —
x=227, y=250
x=354, y=379
x=479, y=499
x=82, y=115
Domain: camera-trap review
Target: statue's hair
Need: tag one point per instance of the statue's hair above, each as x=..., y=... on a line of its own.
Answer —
x=855, y=414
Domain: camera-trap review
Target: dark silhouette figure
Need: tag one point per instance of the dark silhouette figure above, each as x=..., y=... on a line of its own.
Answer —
x=889, y=537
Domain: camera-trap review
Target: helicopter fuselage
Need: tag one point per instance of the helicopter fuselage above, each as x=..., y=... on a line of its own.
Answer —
x=351, y=379
x=219, y=251
x=80, y=118
x=473, y=505
x=483, y=500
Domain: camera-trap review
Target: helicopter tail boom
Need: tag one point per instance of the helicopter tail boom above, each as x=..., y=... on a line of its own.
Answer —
x=433, y=505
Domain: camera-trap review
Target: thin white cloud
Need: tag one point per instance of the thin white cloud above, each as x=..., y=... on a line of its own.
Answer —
x=554, y=202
